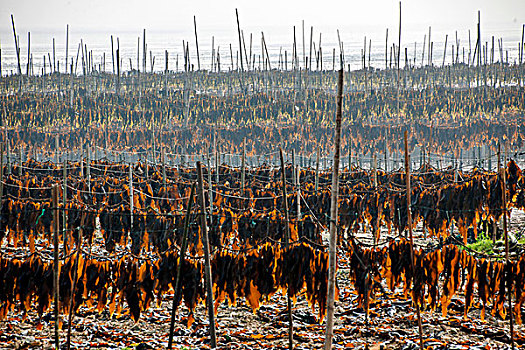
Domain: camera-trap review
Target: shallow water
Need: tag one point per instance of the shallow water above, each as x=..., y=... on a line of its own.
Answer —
x=278, y=40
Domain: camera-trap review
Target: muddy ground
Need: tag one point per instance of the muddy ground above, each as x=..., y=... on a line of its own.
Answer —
x=392, y=324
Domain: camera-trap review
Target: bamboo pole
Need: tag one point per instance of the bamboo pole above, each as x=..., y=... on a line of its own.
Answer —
x=386, y=50
x=217, y=161
x=210, y=188
x=349, y=154
x=248, y=63
x=144, y=51
x=287, y=243
x=67, y=46
x=423, y=54
x=118, y=70
x=374, y=170
x=182, y=254
x=8, y=151
x=1, y=173
x=243, y=161
x=163, y=161
x=71, y=91
x=17, y=49
x=320, y=55
x=57, y=157
x=166, y=68
x=332, y=254
x=207, y=268
x=298, y=191
x=64, y=201
x=317, y=171
x=131, y=201
x=56, y=269
x=82, y=161
x=266, y=51
x=304, y=53
x=409, y=214
x=88, y=166
x=16, y=45
x=197, y=43
x=28, y=54
x=445, y=50
x=429, y=45
x=75, y=276
x=112, y=55
x=522, y=46
x=54, y=57
x=398, y=53
x=311, y=42
x=240, y=40
x=478, y=44
x=503, y=174
x=20, y=162
x=385, y=153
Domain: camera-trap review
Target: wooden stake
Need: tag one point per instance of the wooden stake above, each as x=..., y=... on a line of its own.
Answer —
x=182, y=254
x=332, y=254
x=409, y=215
x=287, y=242
x=207, y=268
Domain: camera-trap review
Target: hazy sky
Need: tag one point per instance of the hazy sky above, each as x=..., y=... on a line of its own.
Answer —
x=111, y=15
x=169, y=22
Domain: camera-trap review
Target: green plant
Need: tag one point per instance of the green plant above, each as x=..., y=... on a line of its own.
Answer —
x=482, y=245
